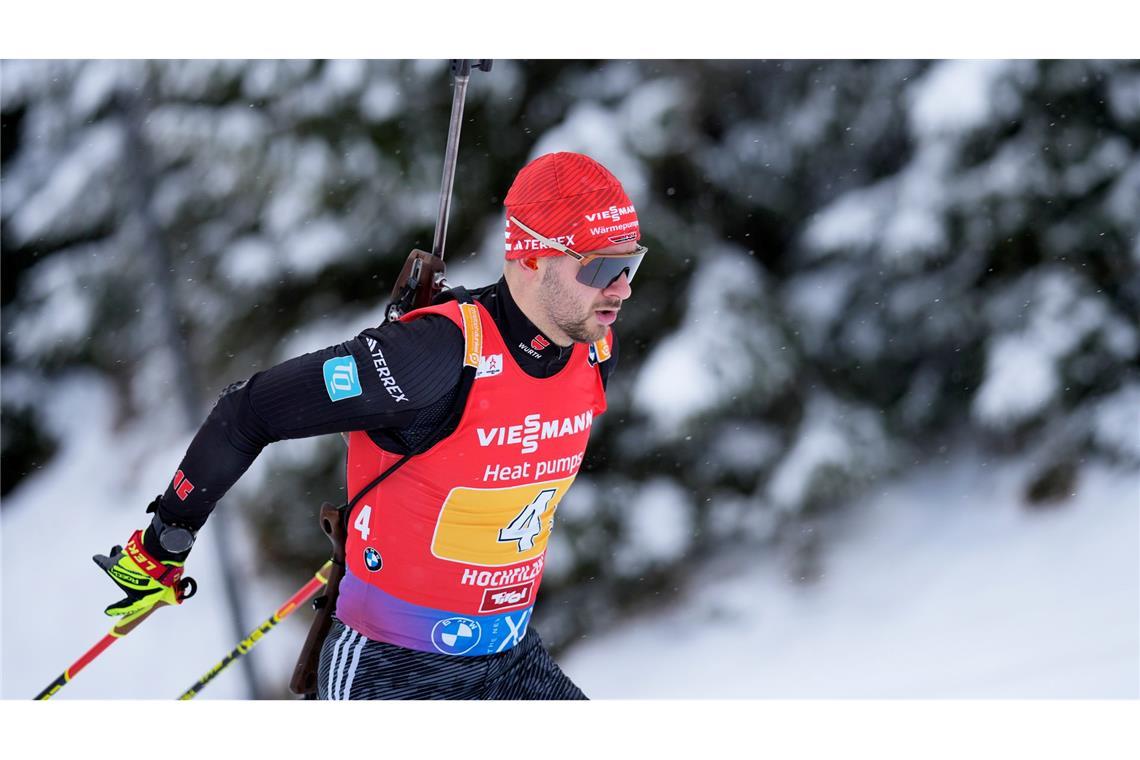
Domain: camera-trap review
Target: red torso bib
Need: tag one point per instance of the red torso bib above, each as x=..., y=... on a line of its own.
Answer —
x=446, y=555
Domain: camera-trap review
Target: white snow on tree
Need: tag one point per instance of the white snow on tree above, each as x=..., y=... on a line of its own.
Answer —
x=727, y=342
x=848, y=259
x=837, y=444
x=1040, y=326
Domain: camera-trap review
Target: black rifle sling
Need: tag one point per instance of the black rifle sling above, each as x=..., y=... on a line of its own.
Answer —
x=304, y=679
x=466, y=379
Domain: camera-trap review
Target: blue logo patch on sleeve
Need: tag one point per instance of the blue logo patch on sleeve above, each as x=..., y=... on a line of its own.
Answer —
x=341, y=378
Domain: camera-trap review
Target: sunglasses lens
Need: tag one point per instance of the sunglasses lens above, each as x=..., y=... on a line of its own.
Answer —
x=600, y=271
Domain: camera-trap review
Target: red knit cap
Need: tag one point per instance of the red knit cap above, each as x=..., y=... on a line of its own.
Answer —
x=574, y=200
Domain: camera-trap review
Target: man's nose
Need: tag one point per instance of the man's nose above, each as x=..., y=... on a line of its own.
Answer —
x=619, y=288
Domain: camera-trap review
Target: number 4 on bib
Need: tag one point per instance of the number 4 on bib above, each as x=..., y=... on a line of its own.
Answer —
x=361, y=522
x=528, y=524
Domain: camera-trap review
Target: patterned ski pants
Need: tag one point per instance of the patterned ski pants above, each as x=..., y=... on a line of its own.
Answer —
x=353, y=666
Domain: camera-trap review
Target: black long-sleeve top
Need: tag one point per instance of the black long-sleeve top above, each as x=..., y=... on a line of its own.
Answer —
x=408, y=376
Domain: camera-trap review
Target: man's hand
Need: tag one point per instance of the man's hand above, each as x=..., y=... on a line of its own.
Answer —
x=146, y=580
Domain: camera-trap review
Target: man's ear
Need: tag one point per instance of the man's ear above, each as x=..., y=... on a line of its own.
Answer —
x=521, y=269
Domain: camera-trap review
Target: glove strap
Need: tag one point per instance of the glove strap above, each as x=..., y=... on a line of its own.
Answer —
x=167, y=575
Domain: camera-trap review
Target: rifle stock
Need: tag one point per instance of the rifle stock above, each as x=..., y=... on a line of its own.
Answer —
x=304, y=681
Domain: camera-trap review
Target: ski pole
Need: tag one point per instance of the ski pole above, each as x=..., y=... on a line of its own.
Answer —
x=120, y=630
x=319, y=579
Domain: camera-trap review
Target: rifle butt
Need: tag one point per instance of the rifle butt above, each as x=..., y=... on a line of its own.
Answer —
x=304, y=681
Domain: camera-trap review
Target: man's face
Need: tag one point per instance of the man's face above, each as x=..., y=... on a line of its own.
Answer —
x=581, y=312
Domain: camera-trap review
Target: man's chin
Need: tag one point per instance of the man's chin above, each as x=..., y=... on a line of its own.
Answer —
x=589, y=331
x=594, y=335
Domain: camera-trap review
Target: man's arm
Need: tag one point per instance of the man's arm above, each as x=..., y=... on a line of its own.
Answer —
x=382, y=379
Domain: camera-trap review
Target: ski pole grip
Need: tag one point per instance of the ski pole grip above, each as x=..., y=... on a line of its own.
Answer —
x=132, y=622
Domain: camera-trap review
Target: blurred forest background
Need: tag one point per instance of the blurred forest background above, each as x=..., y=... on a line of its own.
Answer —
x=855, y=267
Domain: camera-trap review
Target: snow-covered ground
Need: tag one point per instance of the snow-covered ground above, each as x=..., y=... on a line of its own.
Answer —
x=940, y=584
